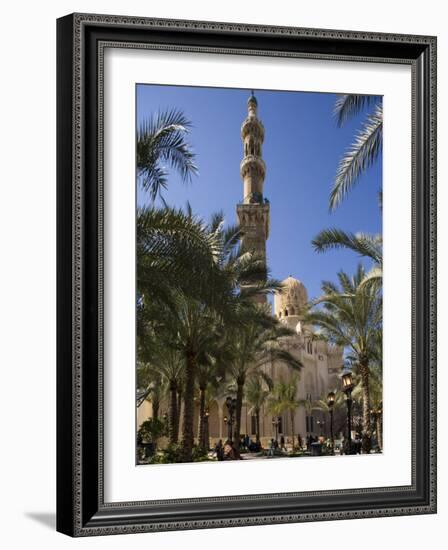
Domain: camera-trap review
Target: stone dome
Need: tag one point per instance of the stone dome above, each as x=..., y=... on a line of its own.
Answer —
x=291, y=300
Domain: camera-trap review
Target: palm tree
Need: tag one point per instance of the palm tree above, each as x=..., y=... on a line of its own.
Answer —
x=165, y=365
x=256, y=393
x=197, y=327
x=150, y=386
x=254, y=347
x=208, y=299
x=365, y=148
x=210, y=372
x=161, y=141
x=370, y=246
x=284, y=400
x=351, y=316
x=376, y=400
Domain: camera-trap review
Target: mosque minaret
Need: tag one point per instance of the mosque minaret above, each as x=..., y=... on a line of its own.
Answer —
x=253, y=211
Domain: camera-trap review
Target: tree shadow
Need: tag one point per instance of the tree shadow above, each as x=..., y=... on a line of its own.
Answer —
x=48, y=519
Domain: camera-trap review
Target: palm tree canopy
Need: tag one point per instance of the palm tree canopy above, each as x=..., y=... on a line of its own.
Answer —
x=161, y=142
x=284, y=397
x=255, y=346
x=349, y=315
x=151, y=386
x=256, y=393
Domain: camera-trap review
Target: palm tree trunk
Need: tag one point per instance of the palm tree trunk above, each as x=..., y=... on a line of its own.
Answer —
x=187, y=431
x=379, y=433
x=238, y=408
x=257, y=427
x=173, y=418
x=207, y=435
x=202, y=417
x=155, y=408
x=179, y=410
x=366, y=426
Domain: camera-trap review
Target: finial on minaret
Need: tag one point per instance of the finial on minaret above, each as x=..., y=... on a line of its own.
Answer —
x=252, y=103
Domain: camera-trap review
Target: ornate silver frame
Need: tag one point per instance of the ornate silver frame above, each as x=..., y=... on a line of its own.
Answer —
x=82, y=39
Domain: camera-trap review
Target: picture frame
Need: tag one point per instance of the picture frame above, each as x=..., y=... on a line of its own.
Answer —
x=81, y=507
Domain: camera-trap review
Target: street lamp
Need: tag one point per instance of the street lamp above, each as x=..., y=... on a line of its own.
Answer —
x=226, y=420
x=206, y=437
x=347, y=387
x=331, y=397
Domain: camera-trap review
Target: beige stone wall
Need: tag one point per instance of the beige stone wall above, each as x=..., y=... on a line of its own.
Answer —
x=143, y=413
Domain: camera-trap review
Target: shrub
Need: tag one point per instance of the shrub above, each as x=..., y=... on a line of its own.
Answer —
x=151, y=430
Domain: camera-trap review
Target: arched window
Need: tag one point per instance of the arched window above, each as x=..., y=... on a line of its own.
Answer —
x=309, y=347
x=293, y=312
x=279, y=314
x=286, y=313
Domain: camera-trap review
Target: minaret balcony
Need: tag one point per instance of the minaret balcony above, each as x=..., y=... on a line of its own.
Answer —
x=254, y=165
x=253, y=126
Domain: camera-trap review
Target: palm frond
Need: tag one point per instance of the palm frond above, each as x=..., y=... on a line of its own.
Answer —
x=361, y=243
x=348, y=105
x=161, y=142
x=373, y=277
x=359, y=157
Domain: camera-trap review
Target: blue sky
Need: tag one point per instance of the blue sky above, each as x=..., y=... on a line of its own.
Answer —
x=302, y=148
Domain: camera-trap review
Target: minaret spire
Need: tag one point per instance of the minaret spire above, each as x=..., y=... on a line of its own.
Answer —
x=253, y=212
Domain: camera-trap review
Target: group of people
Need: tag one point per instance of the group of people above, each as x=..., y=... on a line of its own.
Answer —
x=249, y=444
x=227, y=451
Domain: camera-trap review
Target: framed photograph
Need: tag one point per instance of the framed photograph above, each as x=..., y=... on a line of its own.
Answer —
x=246, y=274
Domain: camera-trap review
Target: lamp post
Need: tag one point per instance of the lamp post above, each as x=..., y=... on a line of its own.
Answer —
x=347, y=387
x=231, y=406
x=331, y=397
x=226, y=420
x=206, y=432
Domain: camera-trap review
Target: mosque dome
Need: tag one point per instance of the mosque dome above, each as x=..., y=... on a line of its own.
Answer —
x=291, y=300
